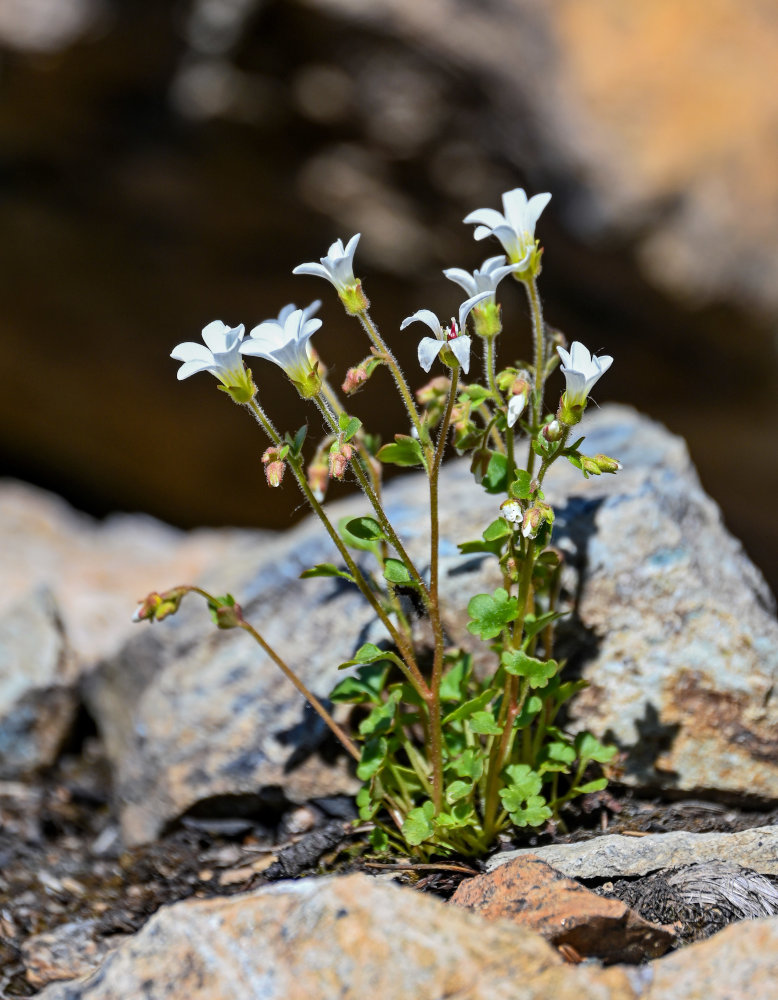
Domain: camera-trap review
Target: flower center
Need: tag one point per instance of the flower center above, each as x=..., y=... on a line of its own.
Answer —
x=452, y=333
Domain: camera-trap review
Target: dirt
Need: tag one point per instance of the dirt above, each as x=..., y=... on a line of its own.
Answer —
x=61, y=858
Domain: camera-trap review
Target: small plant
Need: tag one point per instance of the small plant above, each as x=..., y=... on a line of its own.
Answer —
x=449, y=758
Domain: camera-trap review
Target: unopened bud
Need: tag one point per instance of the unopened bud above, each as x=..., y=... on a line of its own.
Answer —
x=227, y=615
x=355, y=379
x=487, y=321
x=511, y=511
x=275, y=467
x=552, y=431
x=156, y=607
x=436, y=389
x=318, y=478
x=590, y=466
x=607, y=464
x=340, y=455
x=532, y=522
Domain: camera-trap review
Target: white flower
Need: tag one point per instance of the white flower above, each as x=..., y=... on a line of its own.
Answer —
x=451, y=337
x=337, y=267
x=309, y=311
x=486, y=279
x=511, y=511
x=515, y=229
x=516, y=406
x=285, y=343
x=220, y=355
x=581, y=370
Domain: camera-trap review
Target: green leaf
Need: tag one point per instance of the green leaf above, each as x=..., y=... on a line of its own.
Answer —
x=592, y=786
x=418, y=825
x=465, y=710
x=469, y=765
x=532, y=706
x=364, y=685
x=348, y=426
x=496, y=478
x=524, y=783
x=366, y=804
x=352, y=541
x=296, y=443
x=458, y=790
x=379, y=840
x=537, y=672
x=476, y=394
x=454, y=682
x=381, y=719
x=483, y=723
x=396, y=571
x=520, y=487
x=491, y=613
x=588, y=747
x=533, y=625
x=373, y=756
x=535, y=813
x=497, y=529
x=405, y=450
x=367, y=529
x=326, y=569
x=468, y=548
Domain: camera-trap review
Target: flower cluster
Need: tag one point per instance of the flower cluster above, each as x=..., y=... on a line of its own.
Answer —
x=450, y=757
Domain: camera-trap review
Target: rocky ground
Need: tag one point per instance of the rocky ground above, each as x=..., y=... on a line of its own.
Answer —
x=142, y=766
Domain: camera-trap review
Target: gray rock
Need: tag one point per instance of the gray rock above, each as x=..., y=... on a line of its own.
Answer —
x=679, y=627
x=614, y=855
x=38, y=699
x=346, y=938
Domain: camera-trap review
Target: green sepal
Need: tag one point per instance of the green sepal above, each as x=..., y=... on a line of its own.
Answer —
x=405, y=451
x=326, y=569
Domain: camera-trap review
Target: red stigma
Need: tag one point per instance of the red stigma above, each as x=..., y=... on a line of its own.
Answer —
x=453, y=333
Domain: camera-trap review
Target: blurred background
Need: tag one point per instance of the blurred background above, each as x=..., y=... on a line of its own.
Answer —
x=167, y=162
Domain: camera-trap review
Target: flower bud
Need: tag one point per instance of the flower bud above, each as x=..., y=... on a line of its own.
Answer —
x=552, y=431
x=355, y=379
x=156, y=607
x=275, y=466
x=590, y=466
x=511, y=511
x=340, y=456
x=227, y=614
x=607, y=464
x=318, y=477
x=532, y=522
x=487, y=321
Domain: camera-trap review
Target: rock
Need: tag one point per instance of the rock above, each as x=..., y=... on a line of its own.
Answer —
x=535, y=895
x=614, y=855
x=668, y=605
x=38, y=700
x=98, y=570
x=741, y=961
x=343, y=938
x=71, y=950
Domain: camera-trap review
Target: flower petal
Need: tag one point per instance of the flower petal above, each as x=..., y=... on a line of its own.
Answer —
x=460, y=348
x=467, y=305
x=317, y=270
x=192, y=367
x=429, y=349
x=488, y=217
x=462, y=278
x=191, y=352
x=516, y=406
x=424, y=316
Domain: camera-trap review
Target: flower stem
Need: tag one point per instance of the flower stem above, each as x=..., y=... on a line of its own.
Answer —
x=401, y=641
x=436, y=733
x=538, y=328
x=378, y=342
